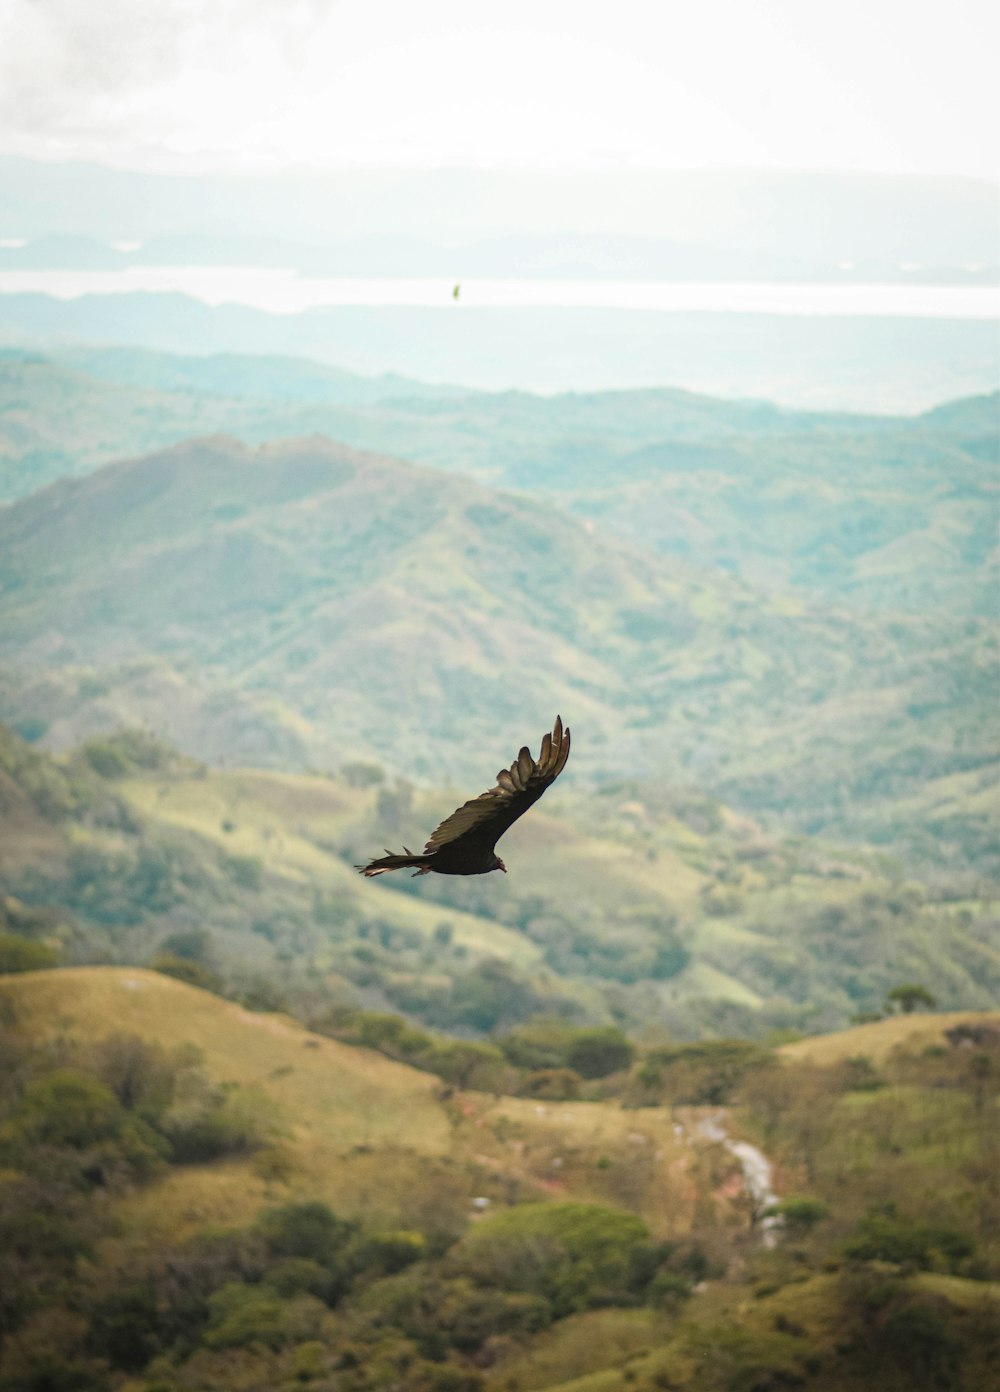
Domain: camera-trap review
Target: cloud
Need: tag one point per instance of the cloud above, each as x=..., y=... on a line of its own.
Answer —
x=217, y=84
x=84, y=79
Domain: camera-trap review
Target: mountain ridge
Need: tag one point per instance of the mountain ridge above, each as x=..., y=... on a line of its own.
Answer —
x=344, y=599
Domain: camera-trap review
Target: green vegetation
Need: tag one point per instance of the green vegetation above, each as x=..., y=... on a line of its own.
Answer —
x=264, y=1125
x=105, y=867
x=147, y=1243
x=908, y=997
x=792, y=609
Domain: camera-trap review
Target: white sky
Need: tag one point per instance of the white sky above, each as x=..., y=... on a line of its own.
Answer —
x=896, y=86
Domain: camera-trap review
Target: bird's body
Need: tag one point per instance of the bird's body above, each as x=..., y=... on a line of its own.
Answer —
x=464, y=843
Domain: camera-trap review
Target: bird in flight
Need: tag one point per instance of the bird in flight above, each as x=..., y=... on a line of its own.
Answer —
x=464, y=843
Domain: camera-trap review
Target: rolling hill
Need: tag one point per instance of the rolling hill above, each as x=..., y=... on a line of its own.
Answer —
x=377, y=1221
x=888, y=513
x=304, y=603
x=360, y=1131
x=675, y=916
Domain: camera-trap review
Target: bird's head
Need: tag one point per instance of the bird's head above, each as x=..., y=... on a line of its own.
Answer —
x=499, y=865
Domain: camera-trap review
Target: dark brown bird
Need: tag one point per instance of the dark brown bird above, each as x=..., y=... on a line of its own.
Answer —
x=464, y=842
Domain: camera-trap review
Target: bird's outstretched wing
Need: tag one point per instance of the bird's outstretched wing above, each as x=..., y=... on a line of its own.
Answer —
x=483, y=820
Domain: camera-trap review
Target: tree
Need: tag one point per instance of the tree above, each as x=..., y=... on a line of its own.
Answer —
x=908, y=997
x=21, y=954
x=926, y=1246
x=594, y=1053
x=572, y=1255
x=69, y=1108
x=800, y=1215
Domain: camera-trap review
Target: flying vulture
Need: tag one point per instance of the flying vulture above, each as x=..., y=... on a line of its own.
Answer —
x=464, y=842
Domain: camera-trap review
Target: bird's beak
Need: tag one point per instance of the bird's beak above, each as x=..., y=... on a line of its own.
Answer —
x=501, y=865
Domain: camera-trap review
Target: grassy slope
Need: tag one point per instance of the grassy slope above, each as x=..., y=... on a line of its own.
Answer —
x=370, y=1136
x=287, y=821
x=879, y=1038
x=359, y=1131
x=802, y=933
x=339, y=1095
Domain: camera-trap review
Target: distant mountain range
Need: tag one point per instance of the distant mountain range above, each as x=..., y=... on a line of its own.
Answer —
x=889, y=364
x=554, y=257
x=894, y=511
x=793, y=612
x=777, y=217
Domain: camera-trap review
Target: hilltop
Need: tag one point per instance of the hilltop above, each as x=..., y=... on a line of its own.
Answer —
x=856, y=507
x=912, y=1033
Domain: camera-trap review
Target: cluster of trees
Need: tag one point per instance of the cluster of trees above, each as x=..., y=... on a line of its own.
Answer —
x=902, y=1152
x=546, y=1058
x=123, y=880
x=301, y=1294
x=81, y=1124
x=895, y=1158
x=708, y=1073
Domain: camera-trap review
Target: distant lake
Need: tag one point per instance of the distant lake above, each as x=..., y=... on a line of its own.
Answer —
x=287, y=292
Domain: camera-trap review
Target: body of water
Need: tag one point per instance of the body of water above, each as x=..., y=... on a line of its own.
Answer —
x=286, y=292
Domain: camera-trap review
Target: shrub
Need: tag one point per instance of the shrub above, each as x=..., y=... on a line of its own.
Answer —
x=917, y=1336
x=70, y=1111
x=908, y=997
x=550, y=1044
x=572, y=1255
x=183, y=969
x=205, y=1123
x=125, y=1326
x=881, y=1237
x=139, y=1074
x=552, y=1084
x=309, y=1230
x=385, y=1253
x=800, y=1215
x=69, y=1108
x=540, y=1044
x=858, y=1074
x=193, y=944
x=298, y=1276
x=31, y=728
x=22, y=954
x=105, y=759
x=240, y=1314
x=594, y=1053
x=464, y=1063
x=705, y=1074
x=246, y=871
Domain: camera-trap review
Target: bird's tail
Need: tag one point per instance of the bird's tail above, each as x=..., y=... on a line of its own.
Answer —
x=418, y=863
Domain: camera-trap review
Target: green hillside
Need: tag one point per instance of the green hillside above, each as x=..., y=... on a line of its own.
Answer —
x=851, y=505
x=68, y=413
x=194, y=1195
x=874, y=510
x=678, y=916
x=331, y=1107
x=302, y=604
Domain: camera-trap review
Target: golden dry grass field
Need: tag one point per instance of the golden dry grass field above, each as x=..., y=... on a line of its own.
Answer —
x=354, y=1128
